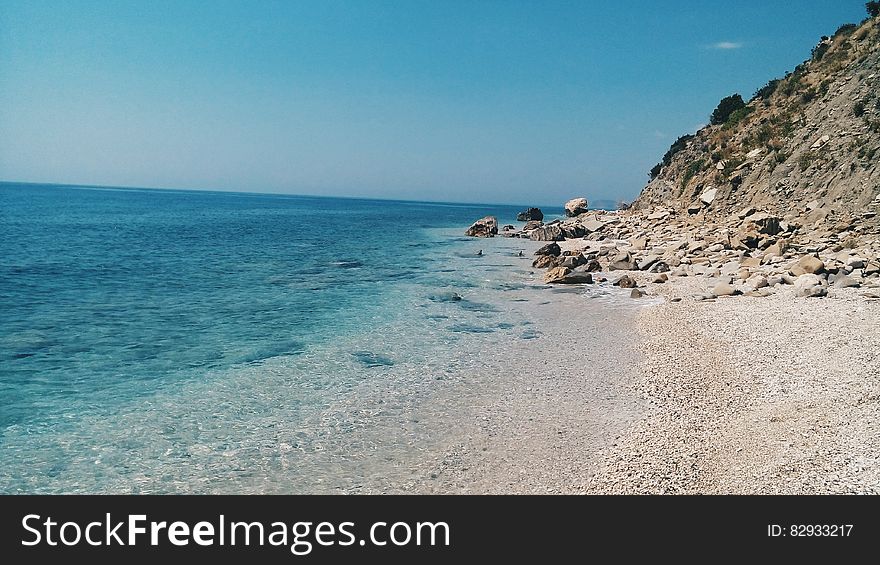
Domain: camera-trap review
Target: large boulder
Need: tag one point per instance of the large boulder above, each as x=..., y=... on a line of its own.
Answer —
x=530, y=214
x=572, y=230
x=546, y=233
x=575, y=206
x=808, y=264
x=533, y=224
x=549, y=249
x=484, y=227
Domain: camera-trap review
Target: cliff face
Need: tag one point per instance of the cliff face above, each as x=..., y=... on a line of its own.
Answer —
x=806, y=148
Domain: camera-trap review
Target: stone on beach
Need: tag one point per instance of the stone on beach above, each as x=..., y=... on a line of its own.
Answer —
x=547, y=233
x=810, y=285
x=549, y=249
x=807, y=264
x=723, y=289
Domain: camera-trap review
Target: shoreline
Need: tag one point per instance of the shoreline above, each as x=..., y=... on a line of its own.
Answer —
x=764, y=391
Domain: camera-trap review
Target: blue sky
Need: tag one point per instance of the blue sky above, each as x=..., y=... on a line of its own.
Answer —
x=486, y=101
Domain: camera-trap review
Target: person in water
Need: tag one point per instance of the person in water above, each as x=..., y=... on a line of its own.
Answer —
x=479, y=253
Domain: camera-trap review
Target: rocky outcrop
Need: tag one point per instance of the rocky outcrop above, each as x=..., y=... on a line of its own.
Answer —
x=530, y=214
x=804, y=150
x=576, y=207
x=484, y=227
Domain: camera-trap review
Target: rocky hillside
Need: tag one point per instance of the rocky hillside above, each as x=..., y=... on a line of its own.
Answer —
x=805, y=148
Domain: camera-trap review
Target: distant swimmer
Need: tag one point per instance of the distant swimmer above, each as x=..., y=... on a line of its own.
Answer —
x=479, y=253
x=520, y=253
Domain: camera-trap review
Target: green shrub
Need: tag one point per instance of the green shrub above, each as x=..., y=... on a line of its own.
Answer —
x=767, y=90
x=689, y=173
x=845, y=29
x=738, y=116
x=725, y=108
x=873, y=8
x=807, y=159
x=859, y=109
x=676, y=146
x=763, y=135
x=655, y=170
x=820, y=49
x=808, y=95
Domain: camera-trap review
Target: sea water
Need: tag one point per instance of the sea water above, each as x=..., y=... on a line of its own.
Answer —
x=186, y=341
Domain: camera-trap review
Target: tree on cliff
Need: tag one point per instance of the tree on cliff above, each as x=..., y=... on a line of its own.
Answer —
x=873, y=8
x=725, y=108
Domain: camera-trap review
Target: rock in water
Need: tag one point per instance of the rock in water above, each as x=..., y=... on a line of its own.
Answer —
x=577, y=278
x=484, y=227
x=625, y=281
x=545, y=262
x=810, y=285
x=530, y=214
x=556, y=275
x=549, y=249
x=575, y=207
x=636, y=293
x=546, y=233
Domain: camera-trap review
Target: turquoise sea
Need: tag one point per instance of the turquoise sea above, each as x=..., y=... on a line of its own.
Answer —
x=187, y=341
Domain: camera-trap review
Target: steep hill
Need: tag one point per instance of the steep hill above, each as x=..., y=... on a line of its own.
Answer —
x=806, y=147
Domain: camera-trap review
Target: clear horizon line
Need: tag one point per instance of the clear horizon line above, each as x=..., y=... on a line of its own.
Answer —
x=302, y=195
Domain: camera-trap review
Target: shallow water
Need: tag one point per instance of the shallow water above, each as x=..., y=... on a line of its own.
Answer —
x=158, y=341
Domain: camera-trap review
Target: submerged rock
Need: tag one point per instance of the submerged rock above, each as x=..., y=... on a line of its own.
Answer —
x=370, y=359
